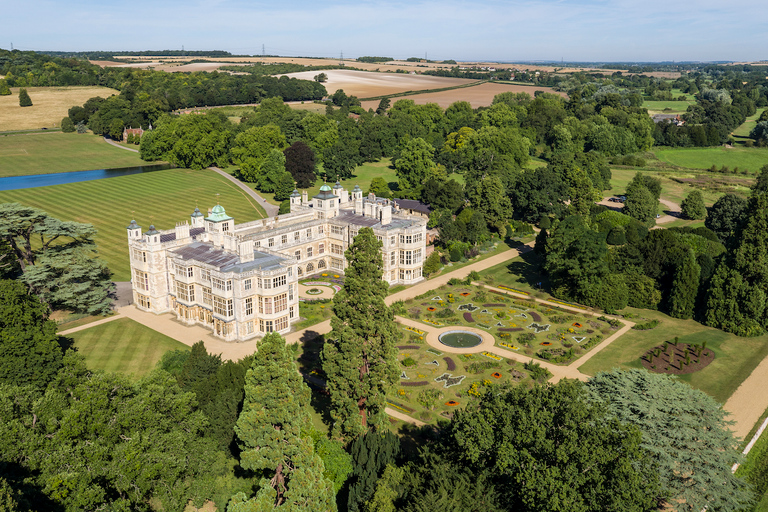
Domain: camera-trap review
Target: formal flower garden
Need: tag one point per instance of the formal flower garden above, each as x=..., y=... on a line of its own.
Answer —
x=546, y=332
x=434, y=383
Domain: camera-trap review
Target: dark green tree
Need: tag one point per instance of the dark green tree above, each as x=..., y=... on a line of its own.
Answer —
x=24, y=99
x=360, y=358
x=284, y=186
x=686, y=432
x=432, y=264
x=273, y=433
x=685, y=287
x=415, y=165
x=383, y=106
x=59, y=265
x=693, y=207
x=641, y=205
x=370, y=453
x=30, y=353
x=553, y=451
x=726, y=216
x=380, y=187
x=67, y=126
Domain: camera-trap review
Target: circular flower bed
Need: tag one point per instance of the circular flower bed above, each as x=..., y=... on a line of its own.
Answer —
x=546, y=343
x=465, y=294
x=451, y=403
x=496, y=375
x=430, y=308
x=314, y=291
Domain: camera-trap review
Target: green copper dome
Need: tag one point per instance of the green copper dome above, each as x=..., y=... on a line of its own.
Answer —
x=325, y=192
x=218, y=214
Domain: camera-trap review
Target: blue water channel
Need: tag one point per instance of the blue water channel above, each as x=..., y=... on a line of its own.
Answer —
x=60, y=178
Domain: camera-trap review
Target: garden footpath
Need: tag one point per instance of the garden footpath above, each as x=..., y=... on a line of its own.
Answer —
x=113, y=143
x=269, y=208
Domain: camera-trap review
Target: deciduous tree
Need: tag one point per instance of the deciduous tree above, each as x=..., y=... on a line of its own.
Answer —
x=300, y=162
x=693, y=207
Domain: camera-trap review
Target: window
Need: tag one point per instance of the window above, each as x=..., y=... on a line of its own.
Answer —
x=299, y=272
x=271, y=242
x=320, y=230
x=249, y=306
x=265, y=325
x=405, y=239
x=258, y=244
x=319, y=202
x=267, y=284
x=337, y=230
x=138, y=255
x=309, y=252
x=223, y=307
x=258, y=282
x=205, y=275
x=247, y=284
x=406, y=257
x=261, y=305
x=290, y=292
x=284, y=239
x=310, y=268
x=417, y=272
x=281, y=323
x=417, y=256
x=185, y=292
x=225, y=227
x=393, y=258
x=207, y=298
x=393, y=275
x=190, y=271
x=298, y=255
x=218, y=284
x=267, y=306
x=309, y=233
x=337, y=249
x=337, y=264
x=392, y=240
x=279, y=281
x=321, y=249
x=249, y=327
x=405, y=275
x=141, y=280
x=380, y=239
x=143, y=301
x=290, y=312
x=417, y=237
x=296, y=236
x=321, y=264
x=281, y=302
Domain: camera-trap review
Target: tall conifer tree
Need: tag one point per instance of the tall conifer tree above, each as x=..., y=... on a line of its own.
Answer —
x=360, y=359
x=685, y=287
x=273, y=431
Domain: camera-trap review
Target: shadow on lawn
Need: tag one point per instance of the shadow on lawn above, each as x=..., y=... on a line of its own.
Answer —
x=526, y=270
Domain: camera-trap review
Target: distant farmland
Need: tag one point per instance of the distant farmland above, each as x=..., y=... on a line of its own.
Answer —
x=49, y=106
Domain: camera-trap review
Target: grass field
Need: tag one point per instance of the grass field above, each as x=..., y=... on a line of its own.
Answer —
x=49, y=105
x=161, y=198
x=123, y=346
x=751, y=159
x=735, y=357
x=667, y=106
x=43, y=153
x=746, y=127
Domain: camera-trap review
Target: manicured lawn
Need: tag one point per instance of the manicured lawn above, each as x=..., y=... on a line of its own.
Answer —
x=754, y=460
x=521, y=273
x=43, y=153
x=667, y=106
x=123, y=346
x=735, y=357
x=161, y=198
x=746, y=127
x=49, y=105
x=751, y=159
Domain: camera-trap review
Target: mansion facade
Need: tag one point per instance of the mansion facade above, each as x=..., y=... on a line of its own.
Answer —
x=241, y=280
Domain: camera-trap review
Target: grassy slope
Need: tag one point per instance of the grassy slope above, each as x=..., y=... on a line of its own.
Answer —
x=161, y=198
x=49, y=105
x=703, y=158
x=123, y=346
x=42, y=153
x=744, y=129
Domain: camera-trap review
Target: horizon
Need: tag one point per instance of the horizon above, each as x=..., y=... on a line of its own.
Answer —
x=580, y=31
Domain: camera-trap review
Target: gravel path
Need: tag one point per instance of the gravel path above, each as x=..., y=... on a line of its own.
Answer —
x=269, y=208
x=113, y=143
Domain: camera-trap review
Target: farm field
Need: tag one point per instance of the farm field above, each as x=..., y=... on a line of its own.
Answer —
x=478, y=95
x=123, y=346
x=735, y=357
x=364, y=84
x=49, y=105
x=161, y=198
x=43, y=153
x=751, y=159
x=667, y=106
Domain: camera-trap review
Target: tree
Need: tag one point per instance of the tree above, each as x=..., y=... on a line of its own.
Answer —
x=641, y=205
x=322, y=77
x=67, y=126
x=380, y=187
x=360, y=358
x=552, y=450
x=726, y=216
x=116, y=127
x=487, y=196
x=273, y=435
x=59, y=266
x=685, y=287
x=300, y=162
x=371, y=453
x=30, y=353
x=284, y=186
x=383, y=106
x=686, y=432
x=432, y=264
x=415, y=164
x=693, y=207
x=24, y=99
x=257, y=142
x=4, y=89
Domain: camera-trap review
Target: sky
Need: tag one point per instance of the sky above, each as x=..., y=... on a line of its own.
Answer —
x=497, y=30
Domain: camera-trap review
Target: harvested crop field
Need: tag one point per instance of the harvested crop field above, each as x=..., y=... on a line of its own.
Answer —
x=49, y=106
x=364, y=84
x=478, y=96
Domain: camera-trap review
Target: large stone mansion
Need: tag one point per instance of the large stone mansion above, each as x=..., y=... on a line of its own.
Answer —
x=241, y=280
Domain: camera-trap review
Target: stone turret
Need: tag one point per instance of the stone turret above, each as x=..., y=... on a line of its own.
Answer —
x=357, y=197
x=198, y=221
x=134, y=231
x=295, y=200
